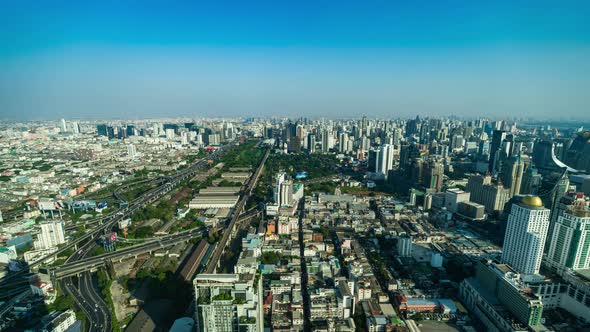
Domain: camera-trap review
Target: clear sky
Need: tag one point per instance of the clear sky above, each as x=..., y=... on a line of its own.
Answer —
x=137, y=59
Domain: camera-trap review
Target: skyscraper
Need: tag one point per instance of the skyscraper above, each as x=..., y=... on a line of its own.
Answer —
x=286, y=193
x=531, y=180
x=526, y=232
x=343, y=143
x=433, y=179
x=385, y=160
x=311, y=143
x=131, y=151
x=64, y=126
x=570, y=243
x=512, y=174
x=327, y=140
x=497, y=138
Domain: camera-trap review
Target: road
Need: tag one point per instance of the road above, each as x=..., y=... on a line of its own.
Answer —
x=87, y=297
x=304, y=278
x=82, y=263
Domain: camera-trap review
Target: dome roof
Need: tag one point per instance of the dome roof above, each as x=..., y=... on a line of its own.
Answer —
x=531, y=200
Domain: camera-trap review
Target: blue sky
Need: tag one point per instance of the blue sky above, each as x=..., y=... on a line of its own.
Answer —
x=136, y=59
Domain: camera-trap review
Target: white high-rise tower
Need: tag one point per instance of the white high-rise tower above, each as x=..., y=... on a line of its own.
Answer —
x=526, y=232
x=385, y=160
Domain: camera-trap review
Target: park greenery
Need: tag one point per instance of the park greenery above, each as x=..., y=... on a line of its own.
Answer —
x=247, y=154
x=104, y=284
x=164, y=211
x=270, y=257
x=316, y=165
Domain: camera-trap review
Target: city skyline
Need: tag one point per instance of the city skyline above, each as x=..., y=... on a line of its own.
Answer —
x=96, y=61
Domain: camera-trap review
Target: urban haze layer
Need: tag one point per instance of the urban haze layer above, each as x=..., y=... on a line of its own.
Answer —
x=263, y=224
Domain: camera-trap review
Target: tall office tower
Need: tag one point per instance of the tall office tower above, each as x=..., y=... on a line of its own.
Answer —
x=301, y=132
x=475, y=186
x=364, y=125
x=397, y=136
x=286, y=193
x=156, y=129
x=326, y=140
x=555, y=196
x=372, y=157
x=75, y=127
x=280, y=178
x=526, y=232
x=294, y=145
x=110, y=132
x=385, y=160
x=542, y=154
x=170, y=133
x=417, y=171
x=484, y=149
x=51, y=235
x=570, y=243
x=365, y=143
x=342, y=142
x=433, y=177
x=214, y=139
x=413, y=127
x=497, y=138
x=512, y=175
x=578, y=154
x=130, y=130
x=102, y=130
x=131, y=151
x=531, y=181
x=64, y=126
x=311, y=143
x=424, y=133
x=228, y=302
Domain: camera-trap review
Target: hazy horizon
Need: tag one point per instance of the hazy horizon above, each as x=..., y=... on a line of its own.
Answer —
x=114, y=60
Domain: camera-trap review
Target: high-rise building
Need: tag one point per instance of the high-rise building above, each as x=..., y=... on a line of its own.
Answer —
x=131, y=151
x=526, y=232
x=404, y=246
x=578, y=154
x=497, y=139
x=170, y=134
x=385, y=160
x=343, y=143
x=433, y=177
x=51, y=235
x=512, y=175
x=286, y=193
x=542, y=154
x=531, y=181
x=497, y=290
x=483, y=191
x=280, y=178
x=75, y=127
x=570, y=244
x=311, y=143
x=327, y=140
x=229, y=302
x=64, y=126
x=130, y=130
x=102, y=130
